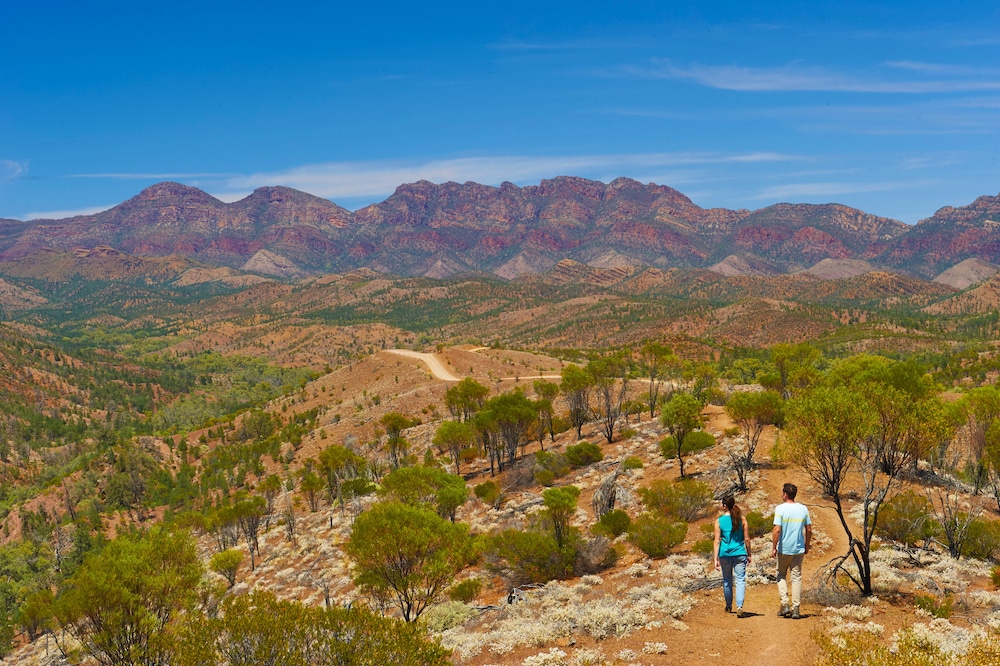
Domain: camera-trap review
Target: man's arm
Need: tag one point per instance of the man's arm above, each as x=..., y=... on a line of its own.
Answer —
x=809, y=534
x=775, y=538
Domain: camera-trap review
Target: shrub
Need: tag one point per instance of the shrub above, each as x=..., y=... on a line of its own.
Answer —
x=907, y=519
x=523, y=557
x=686, y=500
x=759, y=525
x=982, y=539
x=489, y=492
x=465, y=591
x=628, y=433
x=704, y=547
x=614, y=524
x=655, y=535
x=584, y=453
x=940, y=608
x=447, y=616
x=632, y=462
x=699, y=440
x=545, y=477
x=549, y=466
x=995, y=577
x=226, y=564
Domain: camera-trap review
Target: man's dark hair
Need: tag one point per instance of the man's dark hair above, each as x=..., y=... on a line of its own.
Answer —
x=790, y=489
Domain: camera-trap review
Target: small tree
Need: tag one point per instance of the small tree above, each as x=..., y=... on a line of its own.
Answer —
x=226, y=564
x=560, y=505
x=396, y=445
x=121, y=603
x=679, y=416
x=752, y=412
x=576, y=387
x=466, y=398
x=547, y=392
x=249, y=513
x=429, y=487
x=407, y=554
x=656, y=361
x=270, y=488
x=609, y=377
x=455, y=437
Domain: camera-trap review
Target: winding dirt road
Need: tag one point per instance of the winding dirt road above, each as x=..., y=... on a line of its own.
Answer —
x=437, y=368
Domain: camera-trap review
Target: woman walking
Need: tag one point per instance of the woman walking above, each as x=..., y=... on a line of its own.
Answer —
x=732, y=552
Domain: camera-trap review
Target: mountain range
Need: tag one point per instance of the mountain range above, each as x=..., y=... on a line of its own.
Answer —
x=431, y=230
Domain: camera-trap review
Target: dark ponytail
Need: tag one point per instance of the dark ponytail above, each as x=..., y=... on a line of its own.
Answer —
x=735, y=515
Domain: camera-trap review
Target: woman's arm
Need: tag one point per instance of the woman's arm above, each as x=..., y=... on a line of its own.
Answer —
x=746, y=537
x=718, y=540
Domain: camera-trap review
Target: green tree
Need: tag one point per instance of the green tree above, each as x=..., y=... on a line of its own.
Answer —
x=609, y=378
x=455, y=437
x=796, y=365
x=547, y=392
x=338, y=464
x=513, y=415
x=681, y=415
x=270, y=488
x=752, y=411
x=311, y=485
x=560, y=507
x=226, y=564
x=407, y=555
x=830, y=430
x=465, y=398
x=122, y=603
x=396, y=445
x=576, y=386
x=657, y=362
x=429, y=487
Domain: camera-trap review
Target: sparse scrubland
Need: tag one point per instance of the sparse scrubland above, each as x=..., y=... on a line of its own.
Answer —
x=181, y=490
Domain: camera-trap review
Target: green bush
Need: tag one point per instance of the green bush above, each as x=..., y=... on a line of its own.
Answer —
x=982, y=539
x=655, y=535
x=686, y=500
x=704, y=547
x=584, y=453
x=632, y=462
x=523, y=557
x=549, y=466
x=545, y=477
x=465, y=591
x=489, y=492
x=447, y=616
x=628, y=433
x=995, y=577
x=699, y=440
x=759, y=525
x=940, y=608
x=613, y=524
x=907, y=519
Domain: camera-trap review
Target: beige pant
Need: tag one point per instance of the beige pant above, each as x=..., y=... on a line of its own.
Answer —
x=793, y=563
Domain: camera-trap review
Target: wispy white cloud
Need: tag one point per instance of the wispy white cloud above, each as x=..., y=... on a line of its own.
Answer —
x=60, y=214
x=12, y=169
x=805, y=78
x=823, y=189
x=362, y=179
x=151, y=176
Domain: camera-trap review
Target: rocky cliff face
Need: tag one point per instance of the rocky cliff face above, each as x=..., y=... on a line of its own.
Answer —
x=441, y=230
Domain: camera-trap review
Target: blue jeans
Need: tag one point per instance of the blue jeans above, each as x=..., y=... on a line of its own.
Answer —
x=734, y=566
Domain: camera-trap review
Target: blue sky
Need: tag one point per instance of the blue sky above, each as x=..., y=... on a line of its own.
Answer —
x=893, y=108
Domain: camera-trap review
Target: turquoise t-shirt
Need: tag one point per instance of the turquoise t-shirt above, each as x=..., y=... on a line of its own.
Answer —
x=730, y=543
x=793, y=519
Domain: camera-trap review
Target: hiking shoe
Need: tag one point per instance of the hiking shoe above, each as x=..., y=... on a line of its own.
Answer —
x=729, y=609
x=784, y=612
x=795, y=614
x=740, y=614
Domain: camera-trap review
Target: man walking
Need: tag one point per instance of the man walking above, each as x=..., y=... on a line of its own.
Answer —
x=790, y=541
